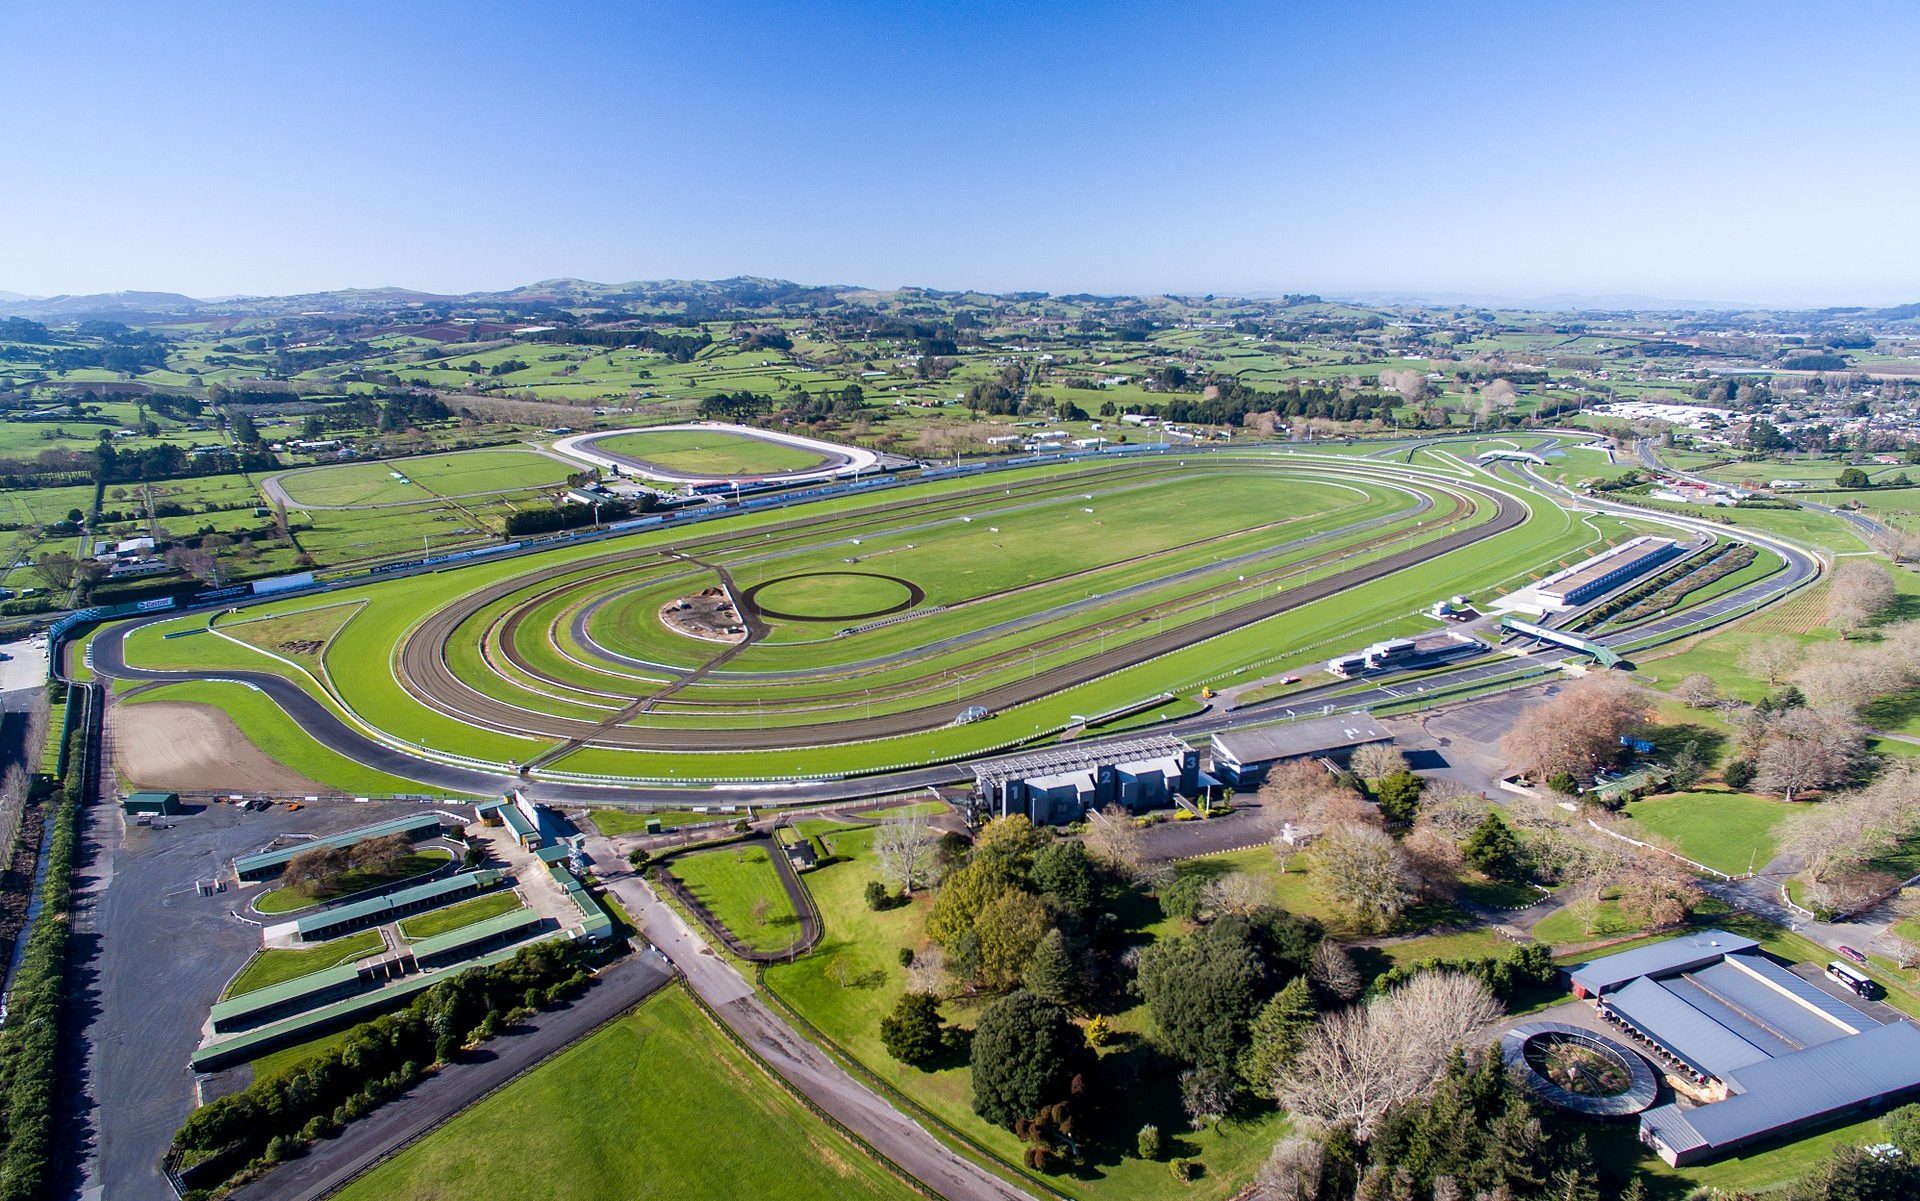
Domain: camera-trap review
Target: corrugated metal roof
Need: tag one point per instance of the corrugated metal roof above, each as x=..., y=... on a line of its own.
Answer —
x=1833, y=1011
x=274, y=995
x=1739, y=1022
x=1672, y=955
x=1692, y=1037
x=1298, y=738
x=1812, y=1084
x=257, y=1042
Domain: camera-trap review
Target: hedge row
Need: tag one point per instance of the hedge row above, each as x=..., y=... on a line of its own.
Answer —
x=29, y=1044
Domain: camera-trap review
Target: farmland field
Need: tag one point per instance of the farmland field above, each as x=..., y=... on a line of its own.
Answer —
x=426, y=477
x=673, y=1107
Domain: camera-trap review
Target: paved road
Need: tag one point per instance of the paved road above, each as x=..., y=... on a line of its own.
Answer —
x=806, y=1067
x=333, y=1162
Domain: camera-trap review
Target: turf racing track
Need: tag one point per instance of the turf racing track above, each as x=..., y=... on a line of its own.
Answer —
x=569, y=655
x=426, y=669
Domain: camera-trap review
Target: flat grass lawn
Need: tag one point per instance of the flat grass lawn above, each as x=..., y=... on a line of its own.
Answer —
x=657, y=1105
x=1729, y=831
x=729, y=881
x=615, y=822
x=464, y=473
x=277, y=965
x=829, y=594
x=868, y=943
x=1566, y=926
x=453, y=917
x=286, y=898
x=709, y=452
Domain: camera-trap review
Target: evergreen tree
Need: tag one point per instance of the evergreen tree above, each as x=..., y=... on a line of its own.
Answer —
x=1276, y=1035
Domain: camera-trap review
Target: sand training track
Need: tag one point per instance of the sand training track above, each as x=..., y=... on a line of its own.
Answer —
x=840, y=460
x=182, y=747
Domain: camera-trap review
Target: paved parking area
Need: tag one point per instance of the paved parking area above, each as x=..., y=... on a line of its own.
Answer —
x=150, y=957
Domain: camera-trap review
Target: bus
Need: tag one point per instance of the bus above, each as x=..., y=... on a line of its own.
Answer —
x=1853, y=980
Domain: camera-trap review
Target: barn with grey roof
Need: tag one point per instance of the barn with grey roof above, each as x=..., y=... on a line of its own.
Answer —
x=1754, y=1051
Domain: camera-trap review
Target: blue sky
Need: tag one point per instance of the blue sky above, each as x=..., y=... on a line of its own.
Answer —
x=1748, y=152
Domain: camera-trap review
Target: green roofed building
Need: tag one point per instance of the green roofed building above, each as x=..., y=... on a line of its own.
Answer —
x=374, y=911
x=151, y=803
x=476, y=937
x=268, y=864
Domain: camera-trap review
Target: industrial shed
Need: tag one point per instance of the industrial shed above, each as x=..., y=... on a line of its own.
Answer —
x=375, y=911
x=1242, y=758
x=1755, y=1051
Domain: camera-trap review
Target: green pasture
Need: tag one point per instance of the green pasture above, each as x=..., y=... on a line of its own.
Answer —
x=277, y=965
x=739, y=886
x=453, y=917
x=464, y=473
x=675, y=1108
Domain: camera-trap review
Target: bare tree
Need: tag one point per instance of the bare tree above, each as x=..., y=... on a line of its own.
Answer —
x=1377, y=760
x=1577, y=730
x=1806, y=749
x=56, y=570
x=903, y=849
x=1434, y=859
x=1860, y=592
x=1292, y=1172
x=1363, y=872
x=1361, y=1062
x=1237, y=892
x=928, y=971
x=1114, y=840
x=1697, y=691
x=1333, y=972
x=1770, y=657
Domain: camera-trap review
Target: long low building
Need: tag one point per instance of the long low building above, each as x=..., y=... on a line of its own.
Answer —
x=1242, y=758
x=1595, y=577
x=268, y=864
x=1755, y=1051
x=374, y=911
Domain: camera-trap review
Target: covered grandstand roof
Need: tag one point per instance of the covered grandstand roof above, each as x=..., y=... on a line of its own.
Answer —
x=1673, y=955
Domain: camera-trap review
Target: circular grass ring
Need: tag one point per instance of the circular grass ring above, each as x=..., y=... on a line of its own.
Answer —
x=749, y=598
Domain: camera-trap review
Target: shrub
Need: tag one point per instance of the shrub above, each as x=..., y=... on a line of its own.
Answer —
x=1186, y=1171
x=1739, y=775
x=1149, y=1143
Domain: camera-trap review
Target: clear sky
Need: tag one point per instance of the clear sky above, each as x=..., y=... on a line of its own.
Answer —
x=1751, y=152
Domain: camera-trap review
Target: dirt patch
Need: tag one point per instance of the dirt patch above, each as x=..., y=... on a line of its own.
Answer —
x=181, y=747
x=709, y=616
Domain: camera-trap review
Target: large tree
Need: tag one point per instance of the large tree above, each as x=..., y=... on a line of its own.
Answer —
x=1360, y=1063
x=1577, y=730
x=1024, y=1054
x=1364, y=873
x=903, y=847
x=1203, y=989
